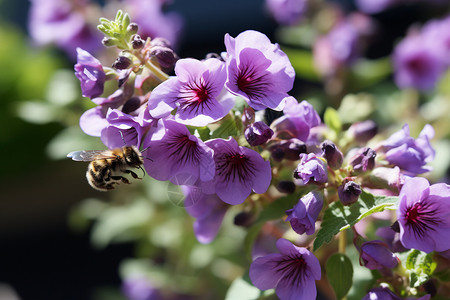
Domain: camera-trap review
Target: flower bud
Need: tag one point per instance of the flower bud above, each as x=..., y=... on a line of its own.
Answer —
x=363, y=160
x=165, y=56
x=332, y=154
x=293, y=148
x=258, y=133
x=277, y=152
x=311, y=168
x=376, y=255
x=109, y=42
x=244, y=219
x=349, y=192
x=363, y=131
x=248, y=116
x=122, y=62
x=133, y=28
x=137, y=42
x=131, y=105
x=287, y=187
x=161, y=42
x=304, y=214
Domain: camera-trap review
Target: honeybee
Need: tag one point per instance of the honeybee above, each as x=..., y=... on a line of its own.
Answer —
x=106, y=167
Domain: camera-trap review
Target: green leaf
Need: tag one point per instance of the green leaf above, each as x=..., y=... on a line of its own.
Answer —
x=203, y=132
x=420, y=266
x=338, y=217
x=332, y=120
x=340, y=274
x=366, y=73
x=302, y=62
x=242, y=289
x=226, y=129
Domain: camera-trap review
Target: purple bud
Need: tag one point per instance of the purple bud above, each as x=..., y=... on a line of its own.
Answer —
x=164, y=55
x=311, y=168
x=133, y=28
x=131, y=105
x=304, y=214
x=277, y=152
x=161, y=42
x=349, y=192
x=248, y=116
x=363, y=131
x=363, y=160
x=137, y=42
x=332, y=154
x=287, y=187
x=376, y=255
x=258, y=133
x=122, y=62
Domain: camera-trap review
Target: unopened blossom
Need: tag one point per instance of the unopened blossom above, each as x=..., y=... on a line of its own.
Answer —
x=258, y=71
x=363, y=131
x=410, y=154
x=258, y=133
x=239, y=170
x=292, y=272
x=349, y=192
x=177, y=155
x=207, y=209
x=287, y=149
x=363, y=160
x=376, y=255
x=417, y=63
x=332, y=154
x=311, y=169
x=297, y=120
x=304, y=214
x=287, y=12
x=196, y=92
x=90, y=72
x=424, y=215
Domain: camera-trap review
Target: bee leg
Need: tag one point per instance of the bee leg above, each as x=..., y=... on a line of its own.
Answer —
x=135, y=176
x=120, y=178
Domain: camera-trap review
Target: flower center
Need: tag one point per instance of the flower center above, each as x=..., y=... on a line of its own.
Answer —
x=421, y=218
x=196, y=96
x=183, y=149
x=235, y=166
x=293, y=269
x=250, y=83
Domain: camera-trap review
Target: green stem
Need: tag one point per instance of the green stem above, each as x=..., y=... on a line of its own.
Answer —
x=156, y=71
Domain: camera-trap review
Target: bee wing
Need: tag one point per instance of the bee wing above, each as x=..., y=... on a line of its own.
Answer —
x=90, y=155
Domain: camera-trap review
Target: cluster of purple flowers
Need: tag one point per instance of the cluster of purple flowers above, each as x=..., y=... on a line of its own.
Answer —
x=421, y=58
x=176, y=118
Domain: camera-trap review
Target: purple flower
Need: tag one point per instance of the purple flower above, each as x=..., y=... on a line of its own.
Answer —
x=297, y=121
x=304, y=214
x=125, y=129
x=207, y=209
x=197, y=93
x=436, y=33
x=408, y=153
x=363, y=160
x=90, y=73
x=177, y=155
x=258, y=70
x=311, y=168
x=239, y=170
x=139, y=288
x=381, y=293
x=287, y=12
x=292, y=272
x=60, y=22
x=376, y=255
x=258, y=133
x=391, y=238
x=417, y=63
x=424, y=215
x=349, y=192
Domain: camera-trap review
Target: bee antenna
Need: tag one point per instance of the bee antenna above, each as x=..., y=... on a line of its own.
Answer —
x=145, y=149
x=143, y=171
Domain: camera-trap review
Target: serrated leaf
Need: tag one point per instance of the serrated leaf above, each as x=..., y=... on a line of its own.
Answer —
x=338, y=217
x=339, y=271
x=332, y=120
x=421, y=266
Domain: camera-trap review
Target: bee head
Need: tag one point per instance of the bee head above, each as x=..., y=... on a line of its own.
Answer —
x=133, y=156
